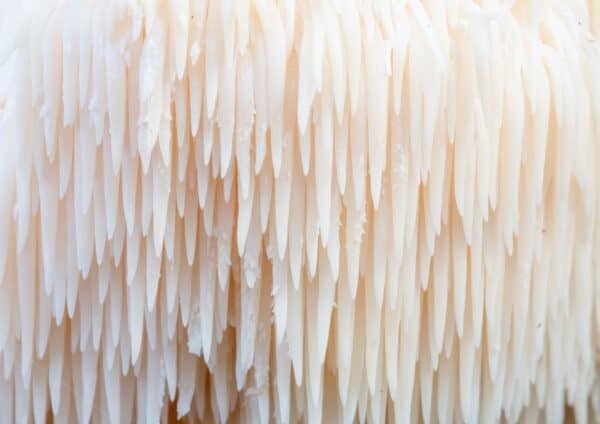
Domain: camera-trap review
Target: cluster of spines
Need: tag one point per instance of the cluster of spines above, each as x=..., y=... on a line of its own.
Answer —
x=312, y=210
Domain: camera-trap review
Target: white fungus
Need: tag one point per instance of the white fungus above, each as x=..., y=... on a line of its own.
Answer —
x=307, y=210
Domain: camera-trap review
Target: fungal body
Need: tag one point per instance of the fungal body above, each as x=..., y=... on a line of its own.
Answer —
x=319, y=211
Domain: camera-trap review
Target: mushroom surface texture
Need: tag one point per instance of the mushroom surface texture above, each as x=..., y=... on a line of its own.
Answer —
x=299, y=211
